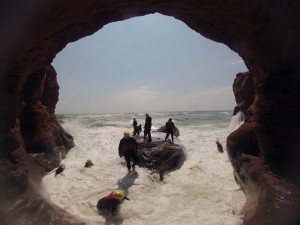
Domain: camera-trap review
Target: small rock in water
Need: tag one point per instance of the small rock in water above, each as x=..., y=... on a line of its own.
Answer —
x=60, y=169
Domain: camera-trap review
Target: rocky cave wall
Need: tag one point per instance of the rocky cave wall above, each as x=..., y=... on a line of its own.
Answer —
x=264, y=152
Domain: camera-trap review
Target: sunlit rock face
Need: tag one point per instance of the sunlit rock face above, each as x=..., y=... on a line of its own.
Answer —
x=38, y=126
x=265, y=151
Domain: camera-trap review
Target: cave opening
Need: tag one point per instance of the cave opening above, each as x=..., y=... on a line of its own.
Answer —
x=149, y=63
x=166, y=77
x=265, y=34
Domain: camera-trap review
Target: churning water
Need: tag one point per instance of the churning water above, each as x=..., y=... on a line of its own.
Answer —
x=201, y=192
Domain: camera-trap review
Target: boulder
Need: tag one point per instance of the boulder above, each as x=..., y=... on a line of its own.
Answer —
x=160, y=156
x=244, y=92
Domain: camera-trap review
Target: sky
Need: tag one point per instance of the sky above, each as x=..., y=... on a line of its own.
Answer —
x=146, y=64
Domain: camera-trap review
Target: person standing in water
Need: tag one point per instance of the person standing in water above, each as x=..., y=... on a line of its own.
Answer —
x=147, y=127
x=170, y=128
x=134, y=124
x=219, y=146
x=128, y=148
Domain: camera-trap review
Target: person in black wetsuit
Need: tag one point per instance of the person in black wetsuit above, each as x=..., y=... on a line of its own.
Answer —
x=134, y=124
x=147, y=127
x=219, y=146
x=170, y=128
x=88, y=164
x=128, y=148
x=108, y=206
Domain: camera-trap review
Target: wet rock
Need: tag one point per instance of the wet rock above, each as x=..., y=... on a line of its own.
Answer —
x=159, y=156
x=32, y=208
x=270, y=198
x=244, y=92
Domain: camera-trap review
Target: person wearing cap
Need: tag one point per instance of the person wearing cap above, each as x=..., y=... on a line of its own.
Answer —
x=147, y=127
x=88, y=163
x=170, y=128
x=109, y=205
x=128, y=148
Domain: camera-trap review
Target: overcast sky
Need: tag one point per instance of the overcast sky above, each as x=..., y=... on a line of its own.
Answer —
x=146, y=64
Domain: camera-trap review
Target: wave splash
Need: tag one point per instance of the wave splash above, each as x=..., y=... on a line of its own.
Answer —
x=202, y=191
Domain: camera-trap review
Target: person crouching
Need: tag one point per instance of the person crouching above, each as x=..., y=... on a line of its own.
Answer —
x=128, y=148
x=109, y=205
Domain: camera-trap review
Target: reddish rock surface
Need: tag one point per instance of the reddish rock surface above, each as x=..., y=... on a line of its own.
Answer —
x=264, y=33
x=244, y=92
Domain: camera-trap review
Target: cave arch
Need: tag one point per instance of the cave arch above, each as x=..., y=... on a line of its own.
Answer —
x=264, y=33
x=150, y=55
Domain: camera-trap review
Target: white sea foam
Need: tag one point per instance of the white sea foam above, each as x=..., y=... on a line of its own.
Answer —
x=202, y=191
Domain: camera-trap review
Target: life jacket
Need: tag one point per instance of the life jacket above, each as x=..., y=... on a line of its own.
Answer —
x=111, y=195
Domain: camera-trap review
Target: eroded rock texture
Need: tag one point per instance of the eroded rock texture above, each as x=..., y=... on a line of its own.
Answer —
x=244, y=92
x=160, y=156
x=264, y=33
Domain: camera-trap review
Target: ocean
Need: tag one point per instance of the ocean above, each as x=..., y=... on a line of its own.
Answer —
x=201, y=192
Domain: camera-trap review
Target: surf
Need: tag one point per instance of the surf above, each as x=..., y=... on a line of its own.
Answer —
x=202, y=191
